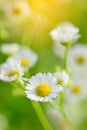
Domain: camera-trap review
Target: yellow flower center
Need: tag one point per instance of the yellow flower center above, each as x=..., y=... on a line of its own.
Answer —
x=16, y=11
x=43, y=90
x=13, y=73
x=80, y=59
x=77, y=89
x=60, y=81
x=24, y=62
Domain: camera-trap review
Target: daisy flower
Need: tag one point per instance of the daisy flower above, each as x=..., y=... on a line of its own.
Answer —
x=10, y=49
x=78, y=91
x=62, y=77
x=65, y=33
x=42, y=87
x=17, y=10
x=11, y=70
x=26, y=57
x=77, y=59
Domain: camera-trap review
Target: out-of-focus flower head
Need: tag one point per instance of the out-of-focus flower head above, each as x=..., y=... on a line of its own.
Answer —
x=10, y=49
x=62, y=78
x=78, y=91
x=11, y=70
x=17, y=10
x=26, y=57
x=65, y=33
x=77, y=59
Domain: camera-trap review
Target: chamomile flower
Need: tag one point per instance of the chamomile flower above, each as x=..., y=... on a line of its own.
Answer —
x=78, y=91
x=10, y=49
x=42, y=87
x=77, y=59
x=26, y=57
x=17, y=10
x=11, y=70
x=65, y=33
x=62, y=78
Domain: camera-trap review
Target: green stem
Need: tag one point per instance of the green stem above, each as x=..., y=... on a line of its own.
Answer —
x=18, y=89
x=39, y=112
x=62, y=95
x=41, y=116
x=66, y=57
x=21, y=85
x=61, y=99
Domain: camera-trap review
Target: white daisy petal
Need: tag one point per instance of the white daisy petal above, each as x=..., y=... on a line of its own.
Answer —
x=42, y=87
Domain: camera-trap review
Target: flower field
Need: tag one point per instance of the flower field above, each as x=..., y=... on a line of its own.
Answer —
x=43, y=65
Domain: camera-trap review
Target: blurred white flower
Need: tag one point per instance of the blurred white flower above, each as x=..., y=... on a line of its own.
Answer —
x=65, y=33
x=42, y=87
x=26, y=57
x=11, y=70
x=78, y=91
x=77, y=59
x=59, y=49
x=62, y=78
x=17, y=10
x=10, y=49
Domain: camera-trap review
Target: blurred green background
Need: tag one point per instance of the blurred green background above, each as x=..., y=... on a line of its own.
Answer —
x=34, y=32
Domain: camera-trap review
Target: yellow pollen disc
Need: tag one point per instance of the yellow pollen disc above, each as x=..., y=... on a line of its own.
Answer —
x=24, y=62
x=43, y=90
x=80, y=60
x=16, y=10
x=77, y=89
x=60, y=81
x=13, y=73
